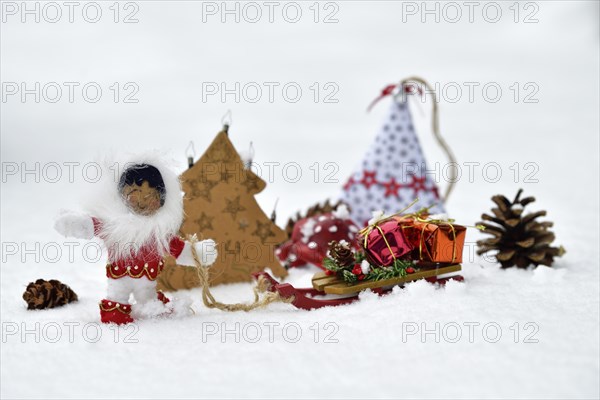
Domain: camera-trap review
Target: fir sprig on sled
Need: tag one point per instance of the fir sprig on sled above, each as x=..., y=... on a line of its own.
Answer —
x=396, y=270
x=351, y=272
x=331, y=265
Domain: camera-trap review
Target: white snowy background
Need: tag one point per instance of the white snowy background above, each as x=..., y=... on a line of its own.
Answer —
x=169, y=53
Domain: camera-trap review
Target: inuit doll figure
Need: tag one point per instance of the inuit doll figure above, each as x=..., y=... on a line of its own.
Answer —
x=137, y=215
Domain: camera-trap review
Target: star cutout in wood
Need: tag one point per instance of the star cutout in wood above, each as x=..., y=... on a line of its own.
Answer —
x=203, y=189
x=220, y=153
x=251, y=183
x=243, y=224
x=263, y=231
x=204, y=222
x=233, y=207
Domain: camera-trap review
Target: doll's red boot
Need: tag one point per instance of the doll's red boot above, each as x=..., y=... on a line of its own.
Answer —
x=161, y=296
x=113, y=312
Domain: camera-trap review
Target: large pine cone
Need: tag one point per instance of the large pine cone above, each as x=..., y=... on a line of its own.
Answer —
x=317, y=209
x=519, y=240
x=48, y=294
x=341, y=253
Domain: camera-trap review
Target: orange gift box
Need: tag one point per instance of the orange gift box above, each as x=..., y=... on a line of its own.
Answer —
x=434, y=241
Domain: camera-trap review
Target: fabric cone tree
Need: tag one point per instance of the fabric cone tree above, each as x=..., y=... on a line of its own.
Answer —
x=219, y=203
x=392, y=172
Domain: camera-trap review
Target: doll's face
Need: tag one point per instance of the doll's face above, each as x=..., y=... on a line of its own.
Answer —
x=143, y=200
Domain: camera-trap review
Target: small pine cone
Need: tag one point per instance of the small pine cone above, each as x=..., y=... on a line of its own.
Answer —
x=518, y=240
x=48, y=294
x=341, y=253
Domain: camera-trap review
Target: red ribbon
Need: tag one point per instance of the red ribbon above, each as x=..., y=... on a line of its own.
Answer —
x=389, y=89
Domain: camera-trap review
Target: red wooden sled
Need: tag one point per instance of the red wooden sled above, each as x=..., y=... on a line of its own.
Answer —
x=306, y=298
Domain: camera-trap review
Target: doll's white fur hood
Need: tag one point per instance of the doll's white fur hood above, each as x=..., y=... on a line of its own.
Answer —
x=124, y=231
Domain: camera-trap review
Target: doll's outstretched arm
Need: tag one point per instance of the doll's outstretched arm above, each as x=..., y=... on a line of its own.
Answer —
x=74, y=224
x=182, y=251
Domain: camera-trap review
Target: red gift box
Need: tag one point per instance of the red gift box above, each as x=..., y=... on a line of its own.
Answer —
x=384, y=242
x=434, y=240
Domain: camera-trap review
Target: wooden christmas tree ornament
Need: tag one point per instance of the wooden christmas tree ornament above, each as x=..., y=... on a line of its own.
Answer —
x=219, y=203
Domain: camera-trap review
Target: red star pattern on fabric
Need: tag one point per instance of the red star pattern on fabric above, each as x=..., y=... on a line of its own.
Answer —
x=391, y=188
x=418, y=185
x=368, y=179
x=349, y=183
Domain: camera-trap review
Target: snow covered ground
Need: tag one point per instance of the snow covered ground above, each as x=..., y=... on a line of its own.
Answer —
x=500, y=334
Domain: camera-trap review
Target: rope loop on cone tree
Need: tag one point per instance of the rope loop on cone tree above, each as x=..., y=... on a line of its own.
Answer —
x=435, y=126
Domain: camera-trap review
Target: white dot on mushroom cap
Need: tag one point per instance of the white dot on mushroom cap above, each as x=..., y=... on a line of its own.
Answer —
x=278, y=251
x=312, y=245
x=350, y=235
x=116, y=268
x=151, y=269
x=292, y=257
x=333, y=228
x=353, y=228
x=322, y=218
x=318, y=229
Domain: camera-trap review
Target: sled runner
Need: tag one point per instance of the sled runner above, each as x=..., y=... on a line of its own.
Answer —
x=334, y=285
x=323, y=284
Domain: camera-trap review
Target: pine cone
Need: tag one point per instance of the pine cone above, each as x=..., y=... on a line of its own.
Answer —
x=519, y=240
x=48, y=294
x=341, y=253
x=317, y=209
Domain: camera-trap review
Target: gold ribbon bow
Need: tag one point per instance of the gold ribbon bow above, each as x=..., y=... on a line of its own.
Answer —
x=418, y=216
x=366, y=231
x=426, y=222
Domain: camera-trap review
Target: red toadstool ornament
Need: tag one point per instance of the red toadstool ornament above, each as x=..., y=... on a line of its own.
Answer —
x=311, y=236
